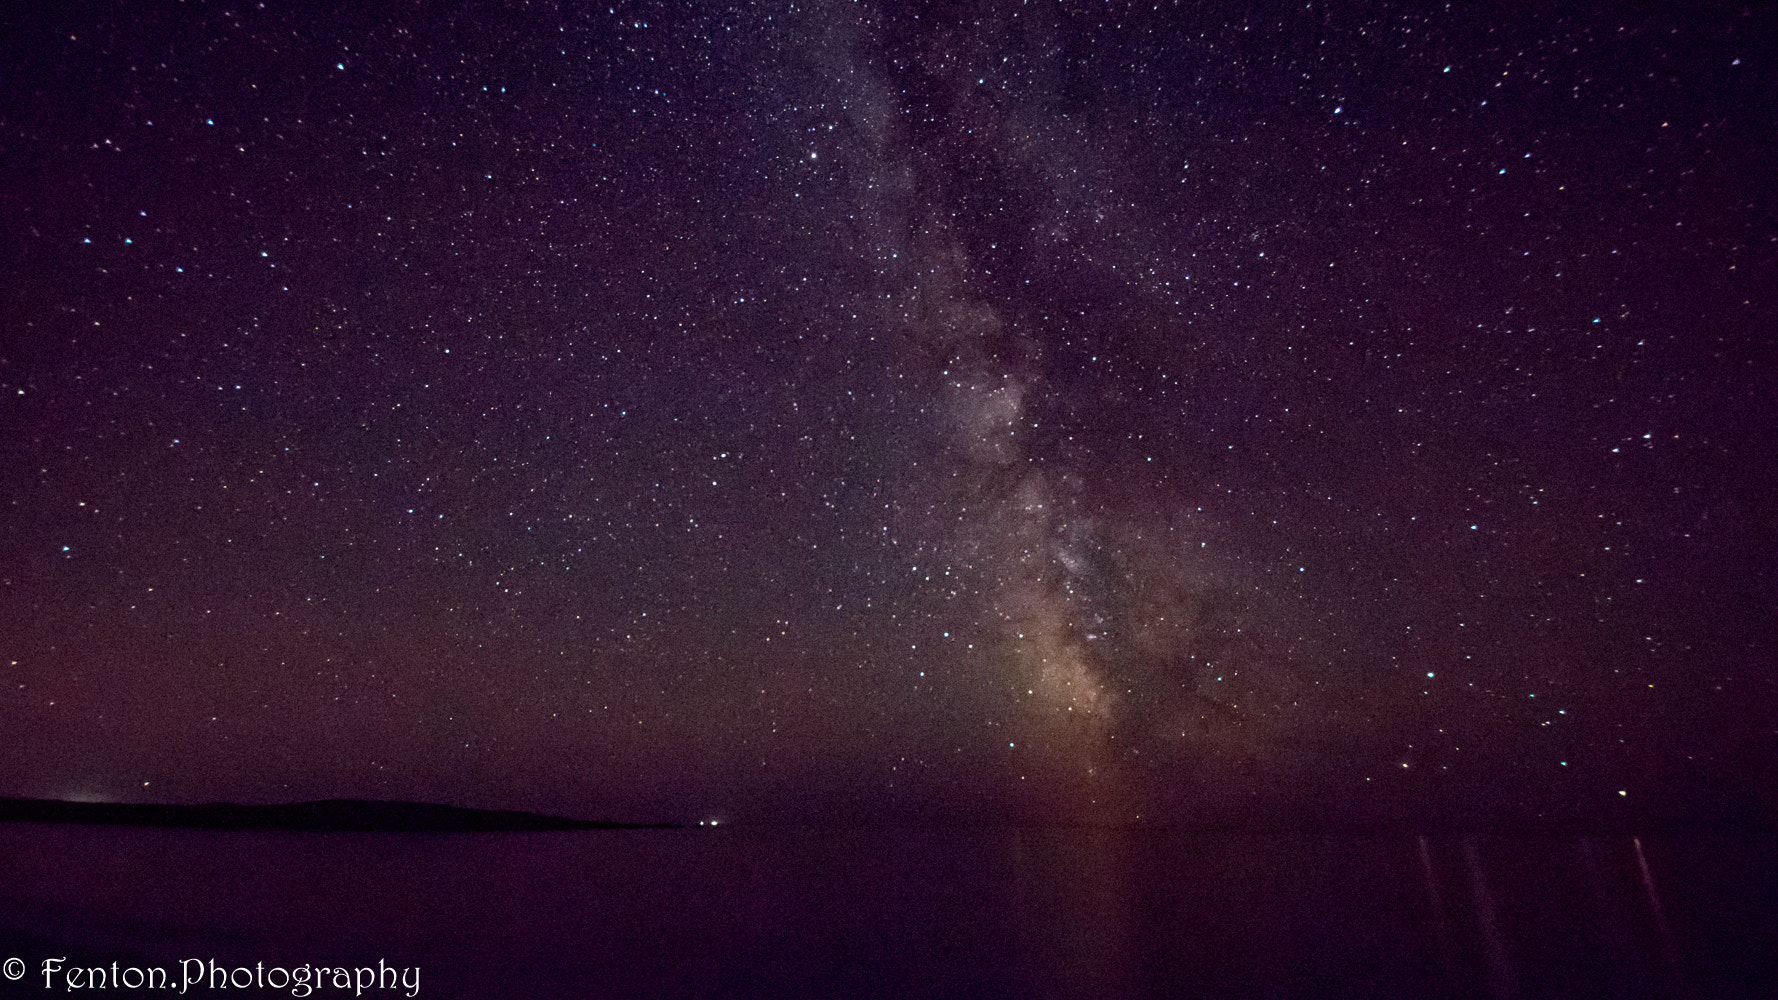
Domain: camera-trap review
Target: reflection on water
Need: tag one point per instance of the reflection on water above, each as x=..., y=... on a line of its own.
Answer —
x=1441, y=921
x=1076, y=908
x=1669, y=951
x=1031, y=912
x=1500, y=972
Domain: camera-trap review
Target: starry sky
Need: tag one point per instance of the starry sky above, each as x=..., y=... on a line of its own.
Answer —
x=843, y=411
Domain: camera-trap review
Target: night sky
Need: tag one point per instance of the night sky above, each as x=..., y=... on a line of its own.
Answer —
x=842, y=411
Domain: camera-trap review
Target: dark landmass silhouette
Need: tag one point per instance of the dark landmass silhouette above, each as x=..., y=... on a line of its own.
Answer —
x=1718, y=813
x=354, y=815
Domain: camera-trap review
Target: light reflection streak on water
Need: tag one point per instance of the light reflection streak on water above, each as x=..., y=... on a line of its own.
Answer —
x=1500, y=973
x=1657, y=913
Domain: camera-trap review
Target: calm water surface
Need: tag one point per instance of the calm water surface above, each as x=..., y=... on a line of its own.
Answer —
x=975, y=912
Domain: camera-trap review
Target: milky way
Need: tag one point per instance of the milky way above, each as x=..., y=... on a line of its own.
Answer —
x=1108, y=632
x=846, y=411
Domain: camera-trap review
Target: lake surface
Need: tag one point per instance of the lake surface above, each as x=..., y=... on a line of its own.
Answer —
x=960, y=912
